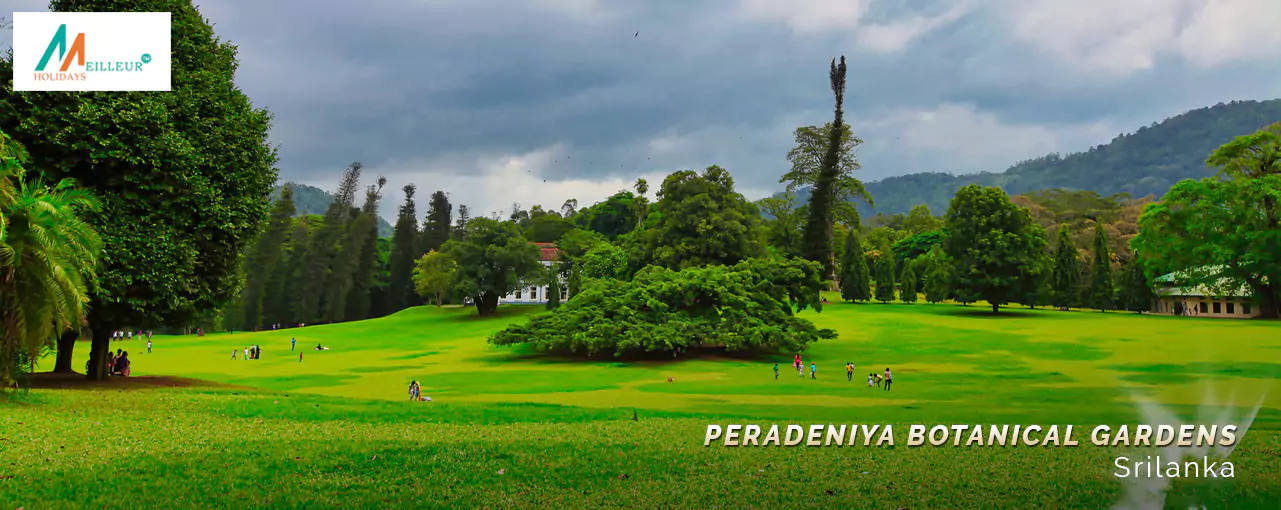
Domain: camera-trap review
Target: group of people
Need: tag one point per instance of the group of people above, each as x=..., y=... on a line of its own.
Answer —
x=416, y=392
x=251, y=352
x=873, y=379
x=118, y=364
x=129, y=334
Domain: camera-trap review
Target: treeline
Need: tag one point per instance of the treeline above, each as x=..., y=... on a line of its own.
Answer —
x=333, y=267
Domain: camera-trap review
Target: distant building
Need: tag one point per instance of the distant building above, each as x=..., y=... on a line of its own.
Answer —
x=1224, y=301
x=536, y=294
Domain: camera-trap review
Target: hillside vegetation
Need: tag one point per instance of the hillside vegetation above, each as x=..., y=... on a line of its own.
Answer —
x=312, y=200
x=1146, y=162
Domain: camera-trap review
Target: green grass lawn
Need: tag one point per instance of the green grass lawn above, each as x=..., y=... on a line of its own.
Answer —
x=336, y=430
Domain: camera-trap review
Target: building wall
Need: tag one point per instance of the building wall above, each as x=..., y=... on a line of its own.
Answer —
x=1222, y=308
x=534, y=294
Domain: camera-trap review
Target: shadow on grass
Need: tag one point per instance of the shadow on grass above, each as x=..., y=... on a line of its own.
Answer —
x=525, y=353
x=1004, y=313
x=75, y=381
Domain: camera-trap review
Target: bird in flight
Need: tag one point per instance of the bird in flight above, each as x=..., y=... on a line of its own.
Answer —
x=637, y=34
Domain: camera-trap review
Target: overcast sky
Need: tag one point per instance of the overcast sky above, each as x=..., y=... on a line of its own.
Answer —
x=537, y=101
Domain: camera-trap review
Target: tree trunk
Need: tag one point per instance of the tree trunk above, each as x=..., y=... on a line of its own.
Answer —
x=437, y=299
x=1269, y=307
x=100, y=346
x=996, y=308
x=66, y=344
x=486, y=303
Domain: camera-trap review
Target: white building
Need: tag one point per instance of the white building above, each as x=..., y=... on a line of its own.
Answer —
x=536, y=294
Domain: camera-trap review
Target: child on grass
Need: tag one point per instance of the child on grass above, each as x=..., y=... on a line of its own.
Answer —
x=776, y=370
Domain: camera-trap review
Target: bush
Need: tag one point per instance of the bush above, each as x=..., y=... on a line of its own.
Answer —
x=748, y=307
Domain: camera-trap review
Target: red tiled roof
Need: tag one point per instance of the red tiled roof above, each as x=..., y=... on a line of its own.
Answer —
x=549, y=251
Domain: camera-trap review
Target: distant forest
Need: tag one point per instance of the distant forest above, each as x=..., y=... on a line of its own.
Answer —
x=310, y=200
x=1146, y=162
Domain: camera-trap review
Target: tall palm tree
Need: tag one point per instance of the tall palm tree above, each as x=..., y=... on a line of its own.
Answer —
x=48, y=255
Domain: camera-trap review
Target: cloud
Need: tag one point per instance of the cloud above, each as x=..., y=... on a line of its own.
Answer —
x=1229, y=30
x=487, y=99
x=973, y=141
x=491, y=183
x=853, y=16
x=1120, y=38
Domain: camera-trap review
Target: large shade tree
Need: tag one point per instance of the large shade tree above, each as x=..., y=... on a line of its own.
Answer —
x=1224, y=232
x=702, y=221
x=749, y=307
x=493, y=260
x=995, y=247
x=184, y=177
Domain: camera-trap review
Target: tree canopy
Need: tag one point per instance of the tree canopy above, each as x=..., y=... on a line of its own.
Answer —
x=994, y=246
x=748, y=307
x=702, y=221
x=191, y=168
x=493, y=260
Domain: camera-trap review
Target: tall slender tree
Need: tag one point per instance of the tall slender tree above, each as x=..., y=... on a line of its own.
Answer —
x=907, y=285
x=938, y=279
x=885, y=277
x=1067, y=270
x=1135, y=293
x=856, y=282
x=404, y=254
x=265, y=258
x=364, y=245
x=293, y=310
x=460, y=224
x=437, y=225
x=817, y=236
x=321, y=281
x=1102, y=291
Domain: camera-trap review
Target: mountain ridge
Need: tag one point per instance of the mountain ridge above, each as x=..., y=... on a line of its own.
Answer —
x=1146, y=161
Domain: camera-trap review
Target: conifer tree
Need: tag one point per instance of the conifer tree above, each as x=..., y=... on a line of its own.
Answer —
x=938, y=280
x=265, y=258
x=1102, y=291
x=437, y=225
x=907, y=285
x=1067, y=269
x=1136, y=295
x=817, y=235
x=856, y=282
x=885, y=277
x=404, y=254
x=321, y=283
x=364, y=244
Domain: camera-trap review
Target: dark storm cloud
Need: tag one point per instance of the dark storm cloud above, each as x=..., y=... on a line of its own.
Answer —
x=438, y=92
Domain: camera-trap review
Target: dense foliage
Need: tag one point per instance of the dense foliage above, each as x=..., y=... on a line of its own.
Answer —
x=701, y=221
x=493, y=260
x=1224, y=231
x=184, y=176
x=48, y=260
x=995, y=247
x=748, y=307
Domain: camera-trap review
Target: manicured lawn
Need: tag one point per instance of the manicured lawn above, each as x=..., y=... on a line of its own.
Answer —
x=335, y=429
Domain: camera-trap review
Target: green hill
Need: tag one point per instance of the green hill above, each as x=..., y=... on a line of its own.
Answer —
x=312, y=200
x=1146, y=162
